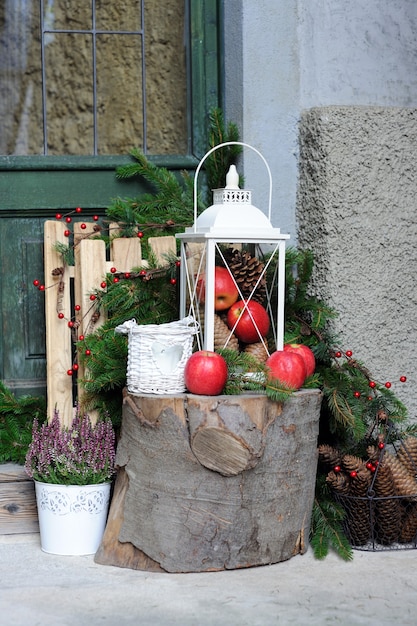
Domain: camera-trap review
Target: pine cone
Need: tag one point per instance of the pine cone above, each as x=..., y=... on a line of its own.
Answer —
x=357, y=520
x=388, y=511
x=338, y=482
x=373, y=453
x=352, y=463
x=407, y=454
x=329, y=455
x=257, y=350
x=409, y=524
x=405, y=483
x=247, y=271
x=222, y=335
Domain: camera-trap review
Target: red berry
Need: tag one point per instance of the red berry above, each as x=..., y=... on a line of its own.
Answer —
x=41, y=287
x=370, y=398
x=61, y=316
x=357, y=394
x=372, y=384
x=178, y=263
x=349, y=353
x=58, y=216
x=78, y=209
x=93, y=297
x=81, y=338
x=83, y=226
x=381, y=445
x=116, y=279
x=353, y=474
x=337, y=469
x=69, y=372
x=142, y=273
x=113, y=270
x=36, y=282
x=403, y=379
x=77, y=307
x=67, y=233
x=369, y=466
x=96, y=218
x=387, y=384
x=338, y=354
x=127, y=274
x=103, y=285
x=88, y=352
x=75, y=367
x=70, y=324
x=173, y=281
x=68, y=219
x=140, y=234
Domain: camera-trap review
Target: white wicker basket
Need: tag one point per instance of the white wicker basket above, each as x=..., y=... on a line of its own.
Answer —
x=157, y=354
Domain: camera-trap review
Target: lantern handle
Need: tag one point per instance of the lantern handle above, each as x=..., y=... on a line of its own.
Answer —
x=222, y=145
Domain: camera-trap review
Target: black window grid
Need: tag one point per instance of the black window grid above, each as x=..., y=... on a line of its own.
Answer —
x=93, y=32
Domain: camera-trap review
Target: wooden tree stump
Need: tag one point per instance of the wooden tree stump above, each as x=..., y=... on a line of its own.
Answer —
x=212, y=483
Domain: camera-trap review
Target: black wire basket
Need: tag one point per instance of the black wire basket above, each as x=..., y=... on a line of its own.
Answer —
x=378, y=493
x=380, y=523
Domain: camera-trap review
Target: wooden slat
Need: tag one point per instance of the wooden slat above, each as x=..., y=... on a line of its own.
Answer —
x=126, y=253
x=58, y=335
x=18, y=512
x=88, y=274
x=12, y=472
x=163, y=248
x=90, y=271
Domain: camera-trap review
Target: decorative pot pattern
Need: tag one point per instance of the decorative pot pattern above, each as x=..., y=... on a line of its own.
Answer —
x=64, y=502
x=72, y=518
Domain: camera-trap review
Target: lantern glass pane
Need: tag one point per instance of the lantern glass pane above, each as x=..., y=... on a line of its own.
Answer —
x=214, y=279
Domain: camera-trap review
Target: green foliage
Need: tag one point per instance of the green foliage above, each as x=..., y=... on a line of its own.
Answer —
x=246, y=374
x=16, y=417
x=166, y=209
x=219, y=162
x=327, y=527
x=147, y=301
x=66, y=252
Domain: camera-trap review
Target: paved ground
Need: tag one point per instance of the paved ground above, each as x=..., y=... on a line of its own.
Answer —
x=46, y=590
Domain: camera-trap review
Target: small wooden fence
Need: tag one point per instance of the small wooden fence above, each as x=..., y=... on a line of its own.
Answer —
x=69, y=311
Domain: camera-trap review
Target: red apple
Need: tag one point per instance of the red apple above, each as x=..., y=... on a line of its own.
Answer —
x=287, y=367
x=252, y=321
x=307, y=354
x=225, y=290
x=205, y=373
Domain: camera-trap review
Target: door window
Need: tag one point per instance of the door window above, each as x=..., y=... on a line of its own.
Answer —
x=94, y=77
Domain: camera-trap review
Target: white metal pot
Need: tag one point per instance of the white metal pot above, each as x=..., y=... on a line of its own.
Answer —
x=72, y=518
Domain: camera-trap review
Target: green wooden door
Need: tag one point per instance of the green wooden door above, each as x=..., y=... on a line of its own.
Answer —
x=35, y=186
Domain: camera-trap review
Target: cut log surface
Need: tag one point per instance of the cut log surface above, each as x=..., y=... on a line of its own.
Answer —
x=229, y=435
x=187, y=507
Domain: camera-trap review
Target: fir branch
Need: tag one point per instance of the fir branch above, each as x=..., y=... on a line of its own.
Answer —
x=16, y=417
x=327, y=530
x=66, y=252
x=219, y=162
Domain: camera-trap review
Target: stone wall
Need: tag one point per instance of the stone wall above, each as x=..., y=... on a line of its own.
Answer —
x=356, y=210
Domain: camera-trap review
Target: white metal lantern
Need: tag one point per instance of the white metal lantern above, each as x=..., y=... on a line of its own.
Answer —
x=232, y=223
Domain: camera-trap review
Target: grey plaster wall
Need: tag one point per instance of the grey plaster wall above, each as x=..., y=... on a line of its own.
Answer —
x=286, y=56
x=356, y=210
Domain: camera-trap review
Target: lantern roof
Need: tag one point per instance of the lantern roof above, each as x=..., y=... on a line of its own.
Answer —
x=233, y=214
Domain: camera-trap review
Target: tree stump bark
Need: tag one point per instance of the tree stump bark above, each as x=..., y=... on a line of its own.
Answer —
x=212, y=483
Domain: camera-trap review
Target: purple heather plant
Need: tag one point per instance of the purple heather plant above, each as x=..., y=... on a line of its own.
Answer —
x=82, y=454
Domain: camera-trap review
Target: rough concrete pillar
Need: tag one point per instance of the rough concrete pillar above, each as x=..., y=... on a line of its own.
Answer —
x=356, y=209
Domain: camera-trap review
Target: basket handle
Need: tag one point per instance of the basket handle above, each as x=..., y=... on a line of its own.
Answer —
x=222, y=145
